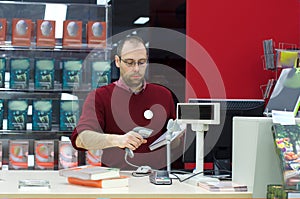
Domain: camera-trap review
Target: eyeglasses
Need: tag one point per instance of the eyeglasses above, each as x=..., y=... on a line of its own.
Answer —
x=132, y=63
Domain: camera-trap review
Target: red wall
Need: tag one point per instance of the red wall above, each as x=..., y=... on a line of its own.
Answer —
x=224, y=44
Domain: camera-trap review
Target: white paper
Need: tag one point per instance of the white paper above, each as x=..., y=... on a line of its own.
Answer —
x=283, y=117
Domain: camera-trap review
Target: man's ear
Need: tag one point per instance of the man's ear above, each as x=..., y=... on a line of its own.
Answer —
x=117, y=61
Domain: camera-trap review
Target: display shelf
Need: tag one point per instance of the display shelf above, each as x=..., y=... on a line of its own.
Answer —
x=29, y=134
x=62, y=56
x=82, y=49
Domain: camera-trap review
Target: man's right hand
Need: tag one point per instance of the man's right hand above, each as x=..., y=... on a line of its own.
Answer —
x=131, y=140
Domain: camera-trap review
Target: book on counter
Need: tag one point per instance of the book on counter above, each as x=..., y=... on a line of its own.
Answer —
x=223, y=186
x=118, y=182
x=90, y=172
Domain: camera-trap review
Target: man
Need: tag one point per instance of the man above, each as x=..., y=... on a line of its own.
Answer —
x=111, y=112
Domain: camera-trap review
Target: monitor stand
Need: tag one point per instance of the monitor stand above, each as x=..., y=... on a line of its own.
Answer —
x=199, y=130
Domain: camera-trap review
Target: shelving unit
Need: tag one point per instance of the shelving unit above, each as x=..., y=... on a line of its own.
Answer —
x=59, y=53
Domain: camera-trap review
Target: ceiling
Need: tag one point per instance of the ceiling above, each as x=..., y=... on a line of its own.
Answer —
x=169, y=14
x=162, y=13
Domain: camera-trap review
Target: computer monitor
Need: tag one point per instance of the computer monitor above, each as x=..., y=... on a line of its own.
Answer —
x=218, y=139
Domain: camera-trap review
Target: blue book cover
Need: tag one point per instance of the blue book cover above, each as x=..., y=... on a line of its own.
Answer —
x=17, y=114
x=19, y=73
x=2, y=72
x=72, y=74
x=101, y=74
x=1, y=113
x=69, y=114
x=44, y=74
x=42, y=115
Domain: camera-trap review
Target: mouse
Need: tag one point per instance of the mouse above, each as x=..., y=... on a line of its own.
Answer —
x=143, y=170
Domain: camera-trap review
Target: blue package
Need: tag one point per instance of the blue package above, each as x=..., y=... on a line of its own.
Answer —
x=101, y=74
x=72, y=74
x=1, y=113
x=44, y=74
x=19, y=73
x=42, y=115
x=2, y=72
x=69, y=114
x=17, y=114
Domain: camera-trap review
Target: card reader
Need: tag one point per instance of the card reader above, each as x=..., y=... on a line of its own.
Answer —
x=160, y=178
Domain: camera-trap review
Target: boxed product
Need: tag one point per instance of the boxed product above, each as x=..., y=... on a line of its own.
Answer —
x=286, y=58
x=1, y=113
x=19, y=73
x=21, y=32
x=42, y=115
x=44, y=154
x=72, y=33
x=2, y=72
x=44, y=74
x=3, y=25
x=45, y=33
x=72, y=74
x=67, y=155
x=93, y=157
x=101, y=73
x=96, y=34
x=1, y=154
x=17, y=114
x=18, y=154
x=69, y=114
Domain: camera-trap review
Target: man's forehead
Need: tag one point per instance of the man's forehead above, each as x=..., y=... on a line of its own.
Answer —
x=133, y=48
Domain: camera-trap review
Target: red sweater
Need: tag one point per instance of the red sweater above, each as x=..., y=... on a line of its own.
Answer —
x=114, y=110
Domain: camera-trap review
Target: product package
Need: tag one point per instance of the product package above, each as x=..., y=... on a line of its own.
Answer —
x=18, y=154
x=21, y=32
x=17, y=114
x=96, y=34
x=1, y=113
x=72, y=33
x=42, y=115
x=44, y=154
x=69, y=114
x=3, y=25
x=45, y=33
x=2, y=72
x=67, y=155
x=101, y=73
x=1, y=155
x=19, y=73
x=93, y=157
x=72, y=74
x=286, y=58
x=44, y=74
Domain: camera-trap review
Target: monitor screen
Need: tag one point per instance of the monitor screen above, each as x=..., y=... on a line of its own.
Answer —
x=195, y=112
x=218, y=139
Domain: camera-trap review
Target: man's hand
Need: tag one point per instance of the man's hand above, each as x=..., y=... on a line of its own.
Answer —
x=131, y=140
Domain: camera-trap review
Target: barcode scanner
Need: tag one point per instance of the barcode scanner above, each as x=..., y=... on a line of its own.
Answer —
x=144, y=132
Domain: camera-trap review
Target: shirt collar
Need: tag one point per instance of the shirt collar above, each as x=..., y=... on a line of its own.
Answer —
x=121, y=84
